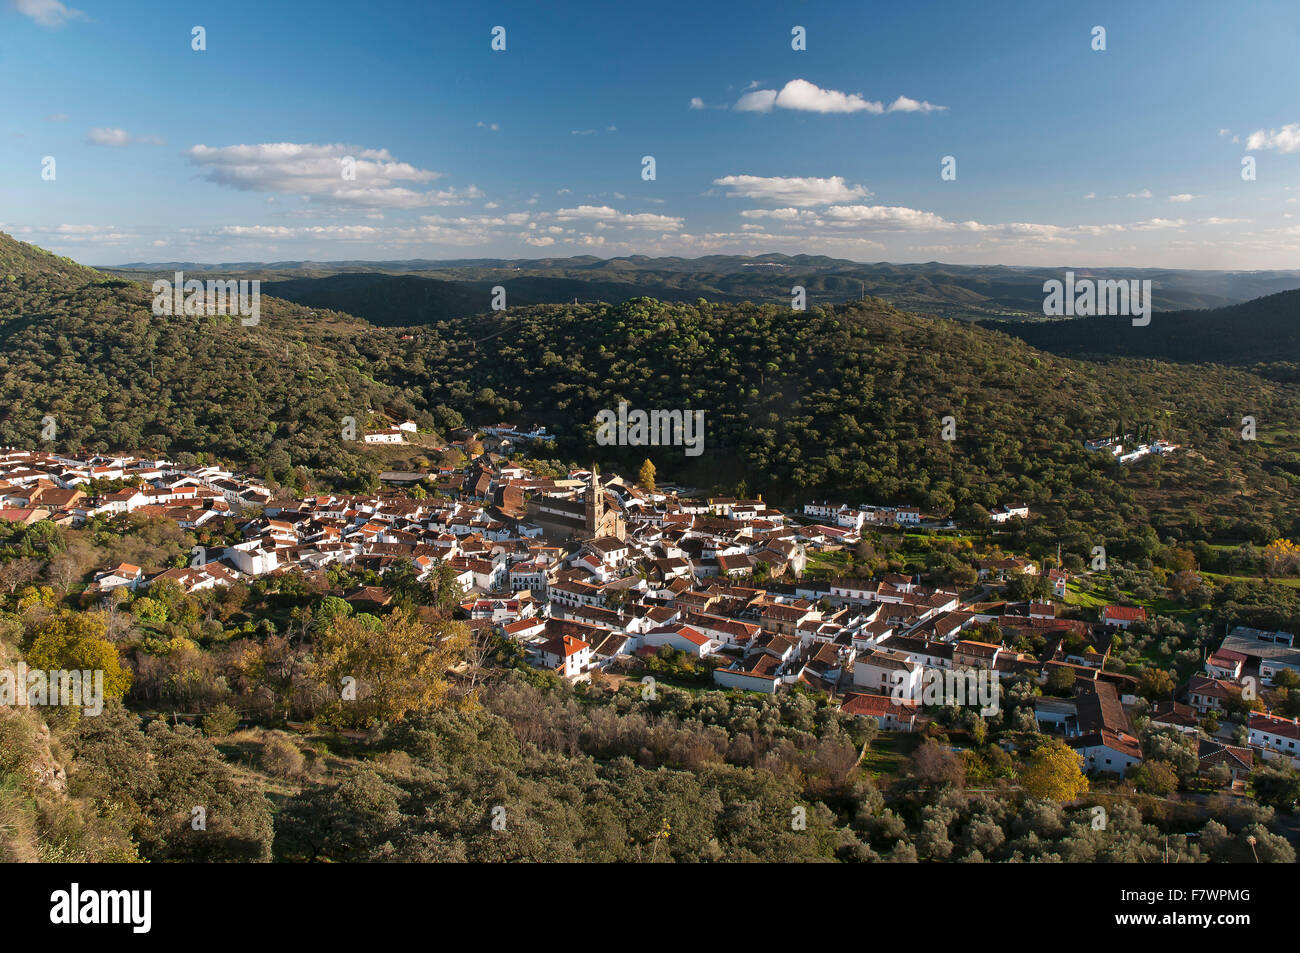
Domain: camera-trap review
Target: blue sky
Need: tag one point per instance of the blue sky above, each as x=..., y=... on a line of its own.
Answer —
x=1064, y=155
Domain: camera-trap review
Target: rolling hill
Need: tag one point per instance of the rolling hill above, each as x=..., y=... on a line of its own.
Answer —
x=845, y=401
x=1265, y=330
x=460, y=288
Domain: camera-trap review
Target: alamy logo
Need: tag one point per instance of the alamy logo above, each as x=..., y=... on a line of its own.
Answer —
x=657, y=428
x=134, y=907
x=193, y=297
x=943, y=686
x=36, y=687
x=1087, y=297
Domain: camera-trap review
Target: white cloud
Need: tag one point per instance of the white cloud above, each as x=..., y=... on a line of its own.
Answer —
x=904, y=104
x=900, y=218
x=1184, y=197
x=603, y=213
x=316, y=173
x=803, y=96
x=1150, y=223
x=104, y=136
x=792, y=191
x=369, y=235
x=759, y=101
x=455, y=196
x=777, y=214
x=849, y=216
x=1286, y=139
x=49, y=13
x=78, y=234
x=109, y=136
x=697, y=103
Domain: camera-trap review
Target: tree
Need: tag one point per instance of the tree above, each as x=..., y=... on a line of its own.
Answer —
x=932, y=766
x=1188, y=586
x=45, y=538
x=403, y=581
x=329, y=609
x=341, y=822
x=447, y=591
x=647, y=475
x=220, y=722
x=78, y=641
x=282, y=759
x=381, y=671
x=1060, y=680
x=1156, y=777
x=1155, y=684
x=1021, y=587
x=1054, y=773
x=149, y=611
x=1281, y=557
x=17, y=573
x=1277, y=787
x=1286, y=678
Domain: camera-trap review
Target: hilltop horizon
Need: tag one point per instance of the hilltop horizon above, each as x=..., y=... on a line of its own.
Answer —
x=574, y=260
x=415, y=291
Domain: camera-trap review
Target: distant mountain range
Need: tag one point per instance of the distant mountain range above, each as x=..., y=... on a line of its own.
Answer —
x=404, y=293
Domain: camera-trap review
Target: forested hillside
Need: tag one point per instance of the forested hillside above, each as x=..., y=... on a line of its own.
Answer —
x=405, y=300
x=850, y=401
x=86, y=350
x=1264, y=331
x=845, y=401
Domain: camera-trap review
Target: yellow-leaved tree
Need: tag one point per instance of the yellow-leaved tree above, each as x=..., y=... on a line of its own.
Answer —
x=1054, y=773
x=1281, y=557
x=379, y=671
x=78, y=641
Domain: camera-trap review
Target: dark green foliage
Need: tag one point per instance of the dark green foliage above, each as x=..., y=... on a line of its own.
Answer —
x=157, y=777
x=1262, y=331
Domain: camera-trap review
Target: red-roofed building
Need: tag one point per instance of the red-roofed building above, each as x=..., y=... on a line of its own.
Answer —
x=1121, y=617
x=26, y=515
x=890, y=714
x=682, y=637
x=123, y=574
x=1276, y=736
x=1210, y=694
x=565, y=655
x=1225, y=663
